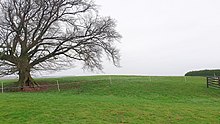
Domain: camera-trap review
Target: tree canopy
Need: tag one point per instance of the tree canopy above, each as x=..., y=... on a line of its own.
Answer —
x=204, y=73
x=39, y=35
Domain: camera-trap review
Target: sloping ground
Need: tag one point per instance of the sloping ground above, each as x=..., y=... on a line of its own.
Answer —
x=116, y=99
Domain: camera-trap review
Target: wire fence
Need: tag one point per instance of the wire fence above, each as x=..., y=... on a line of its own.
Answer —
x=42, y=87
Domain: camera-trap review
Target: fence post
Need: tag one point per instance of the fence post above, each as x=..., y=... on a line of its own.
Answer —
x=110, y=80
x=58, y=86
x=150, y=79
x=207, y=79
x=219, y=81
x=2, y=87
x=185, y=79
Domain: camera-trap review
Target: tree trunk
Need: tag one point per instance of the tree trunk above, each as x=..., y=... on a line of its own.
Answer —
x=25, y=79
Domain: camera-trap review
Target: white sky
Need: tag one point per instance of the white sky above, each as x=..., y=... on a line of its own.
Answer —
x=163, y=37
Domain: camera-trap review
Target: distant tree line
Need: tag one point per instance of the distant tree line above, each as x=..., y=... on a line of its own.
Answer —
x=204, y=73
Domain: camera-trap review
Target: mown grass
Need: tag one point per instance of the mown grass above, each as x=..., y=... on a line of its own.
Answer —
x=116, y=99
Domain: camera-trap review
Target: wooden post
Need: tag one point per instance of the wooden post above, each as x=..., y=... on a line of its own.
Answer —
x=150, y=79
x=58, y=86
x=110, y=80
x=219, y=81
x=185, y=79
x=207, y=79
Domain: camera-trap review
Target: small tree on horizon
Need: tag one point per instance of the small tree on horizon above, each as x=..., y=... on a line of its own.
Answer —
x=40, y=35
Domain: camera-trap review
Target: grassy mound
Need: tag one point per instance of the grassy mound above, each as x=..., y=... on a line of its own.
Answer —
x=115, y=99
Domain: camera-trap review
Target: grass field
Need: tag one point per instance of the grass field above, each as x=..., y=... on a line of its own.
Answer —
x=124, y=99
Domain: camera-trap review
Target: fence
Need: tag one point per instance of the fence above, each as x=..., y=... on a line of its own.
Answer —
x=42, y=87
x=213, y=82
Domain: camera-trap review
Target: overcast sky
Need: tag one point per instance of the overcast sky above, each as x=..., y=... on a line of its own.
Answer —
x=163, y=37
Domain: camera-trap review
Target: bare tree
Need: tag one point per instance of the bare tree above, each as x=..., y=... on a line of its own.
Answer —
x=52, y=35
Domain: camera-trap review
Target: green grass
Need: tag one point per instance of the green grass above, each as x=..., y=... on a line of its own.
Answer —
x=128, y=99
